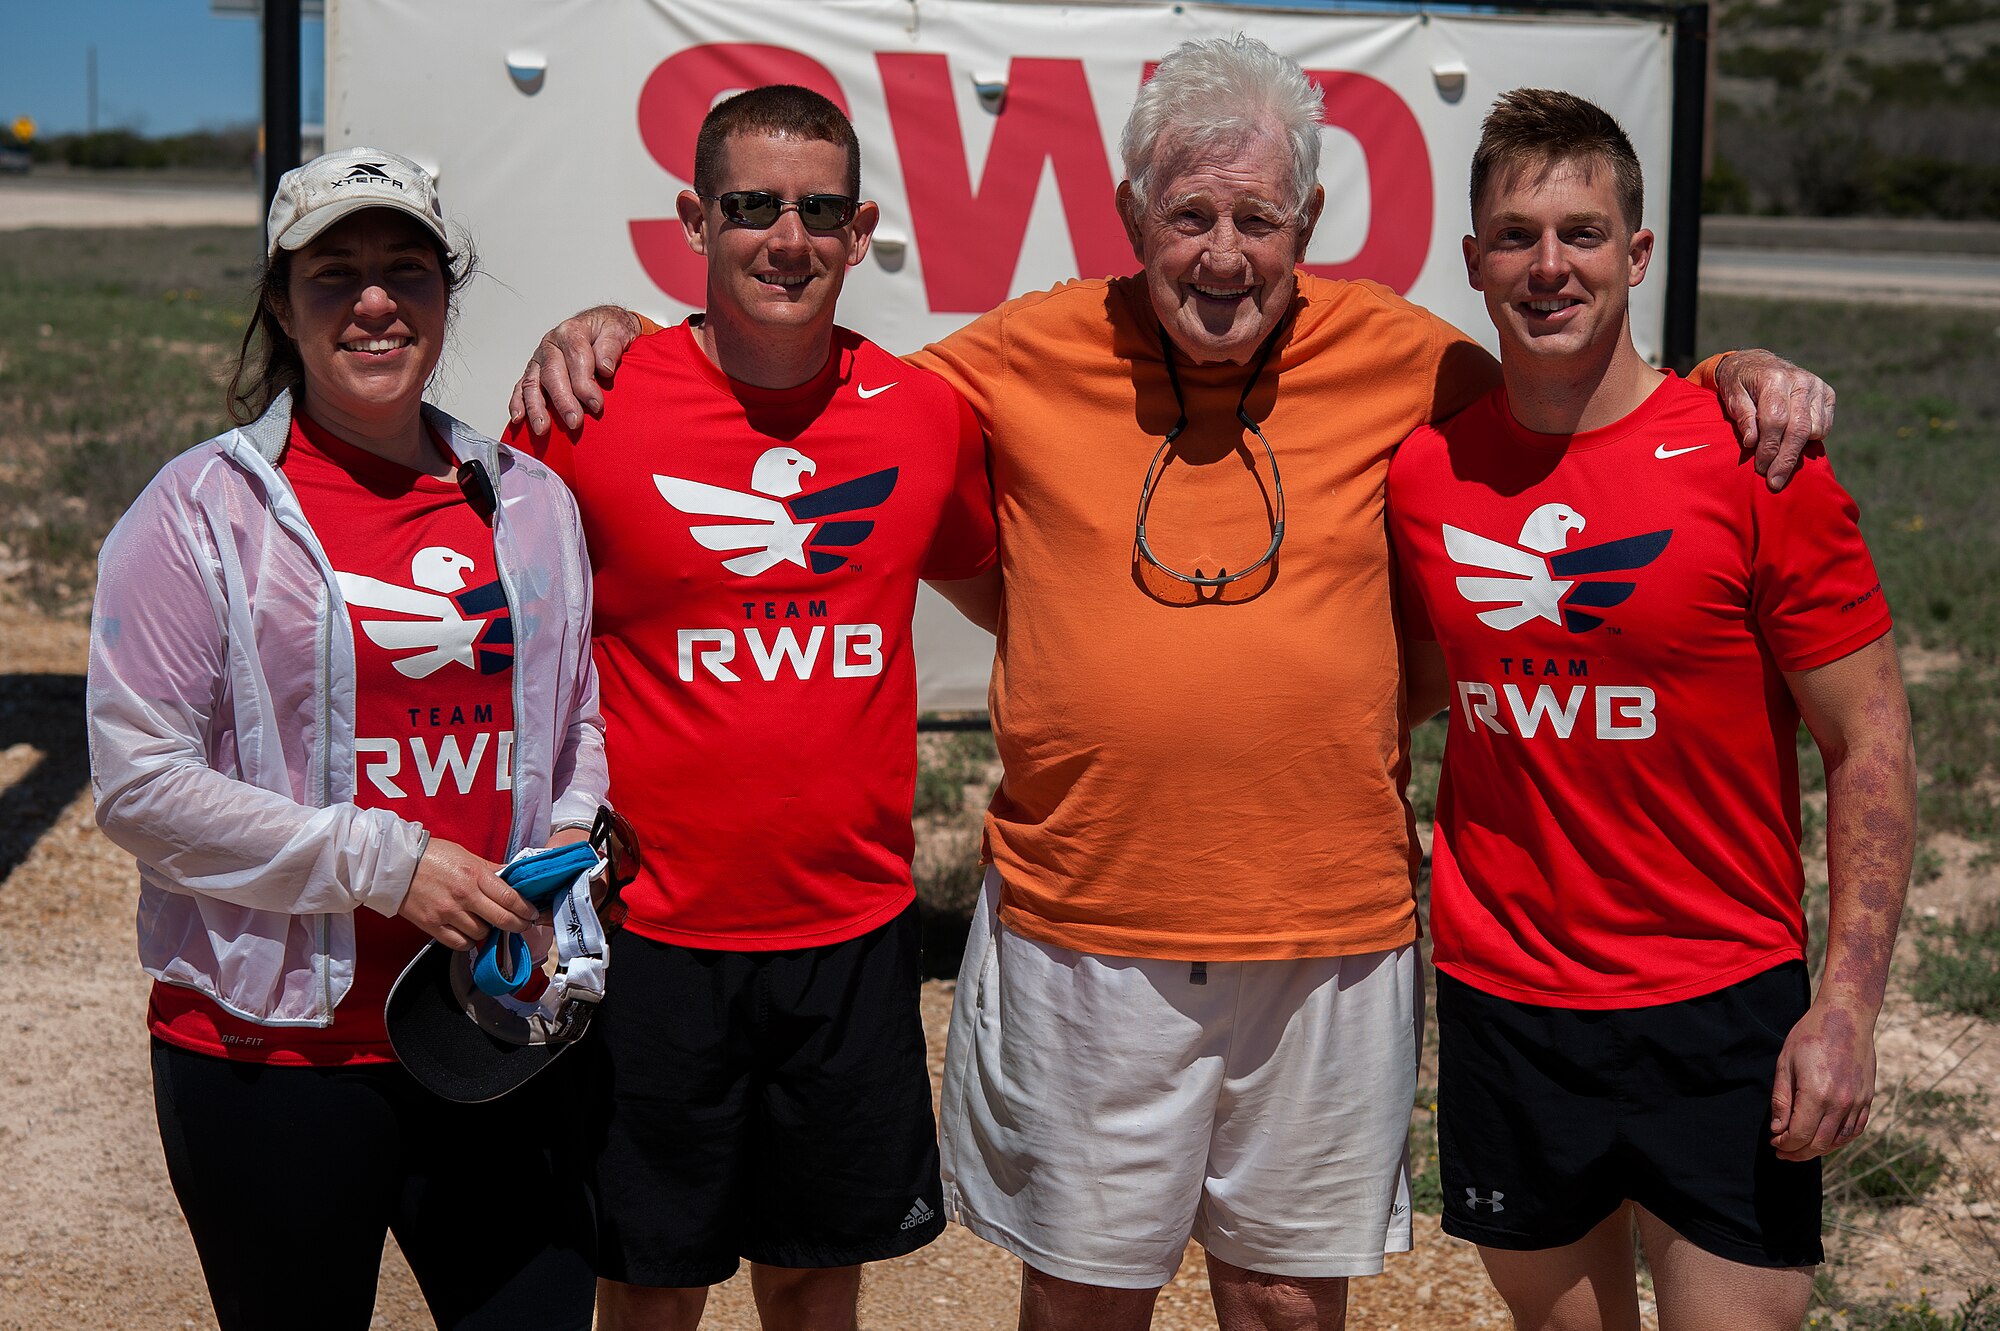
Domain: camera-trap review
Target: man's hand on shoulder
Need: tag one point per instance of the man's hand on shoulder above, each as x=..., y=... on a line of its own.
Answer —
x=564, y=377
x=1825, y=1081
x=1776, y=407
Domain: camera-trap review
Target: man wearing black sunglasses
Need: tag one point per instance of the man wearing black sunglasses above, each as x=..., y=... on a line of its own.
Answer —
x=761, y=494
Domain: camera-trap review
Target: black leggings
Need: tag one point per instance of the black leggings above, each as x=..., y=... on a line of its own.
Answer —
x=290, y=1177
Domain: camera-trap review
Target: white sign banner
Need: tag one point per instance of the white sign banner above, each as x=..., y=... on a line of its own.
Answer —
x=562, y=130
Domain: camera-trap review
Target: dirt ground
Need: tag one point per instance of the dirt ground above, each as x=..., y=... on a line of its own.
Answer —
x=90, y=1234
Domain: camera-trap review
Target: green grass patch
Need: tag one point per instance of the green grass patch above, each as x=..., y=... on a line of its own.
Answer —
x=1885, y=1168
x=112, y=348
x=1958, y=964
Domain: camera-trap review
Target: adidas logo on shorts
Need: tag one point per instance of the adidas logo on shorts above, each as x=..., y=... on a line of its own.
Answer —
x=918, y=1215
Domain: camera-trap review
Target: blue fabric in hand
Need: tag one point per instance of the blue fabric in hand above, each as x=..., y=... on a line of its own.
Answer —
x=539, y=878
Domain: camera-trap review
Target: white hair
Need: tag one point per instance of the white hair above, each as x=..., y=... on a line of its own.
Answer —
x=1221, y=93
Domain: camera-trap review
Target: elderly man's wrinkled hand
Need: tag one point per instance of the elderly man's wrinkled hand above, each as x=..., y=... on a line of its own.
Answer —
x=1776, y=407
x=565, y=376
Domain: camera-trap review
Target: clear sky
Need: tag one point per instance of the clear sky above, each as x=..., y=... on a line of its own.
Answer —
x=163, y=66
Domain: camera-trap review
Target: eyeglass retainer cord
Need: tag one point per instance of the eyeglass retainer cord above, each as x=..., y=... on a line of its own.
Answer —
x=1223, y=577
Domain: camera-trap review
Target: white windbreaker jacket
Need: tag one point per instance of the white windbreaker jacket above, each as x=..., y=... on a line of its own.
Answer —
x=221, y=715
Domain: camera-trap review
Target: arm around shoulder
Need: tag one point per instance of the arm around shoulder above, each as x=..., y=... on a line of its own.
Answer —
x=1776, y=407
x=575, y=359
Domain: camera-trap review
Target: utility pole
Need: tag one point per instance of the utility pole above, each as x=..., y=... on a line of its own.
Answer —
x=90, y=82
x=281, y=93
x=1692, y=28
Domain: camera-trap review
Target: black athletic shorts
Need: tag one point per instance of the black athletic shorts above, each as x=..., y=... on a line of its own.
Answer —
x=289, y=1178
x=1551, y=1118
x=768, y=1105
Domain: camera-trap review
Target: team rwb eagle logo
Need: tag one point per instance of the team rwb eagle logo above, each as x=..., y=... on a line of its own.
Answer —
x=778, y=524
x=441, y=621
x=1540, y=579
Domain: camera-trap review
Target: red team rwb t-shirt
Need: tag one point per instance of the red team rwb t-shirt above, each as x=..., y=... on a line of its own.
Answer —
x=1618, y=820
x=756, y=557
x=433, y=716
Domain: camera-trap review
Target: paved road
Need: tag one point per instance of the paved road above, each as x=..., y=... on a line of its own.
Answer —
x=1896, y=278
x=82, y=201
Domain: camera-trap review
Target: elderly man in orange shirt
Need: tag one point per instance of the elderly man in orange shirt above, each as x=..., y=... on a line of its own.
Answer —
x=1190, y=1006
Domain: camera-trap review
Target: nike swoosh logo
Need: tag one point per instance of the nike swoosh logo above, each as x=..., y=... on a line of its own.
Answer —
x=865, y=393
x=1663, y=452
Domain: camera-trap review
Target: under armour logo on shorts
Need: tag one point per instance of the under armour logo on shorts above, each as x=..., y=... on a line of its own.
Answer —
x=1474, y=1201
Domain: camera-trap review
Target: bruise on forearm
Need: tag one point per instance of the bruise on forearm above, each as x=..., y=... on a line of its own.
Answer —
x=1871, y=826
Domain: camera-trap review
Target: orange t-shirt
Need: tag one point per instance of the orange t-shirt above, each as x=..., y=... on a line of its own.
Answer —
x=1212, y=775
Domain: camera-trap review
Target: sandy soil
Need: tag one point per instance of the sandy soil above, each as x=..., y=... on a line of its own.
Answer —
x=90, y=1234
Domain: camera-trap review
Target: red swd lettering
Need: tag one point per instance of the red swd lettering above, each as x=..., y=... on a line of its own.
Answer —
x=677, y=95
x=1048, y=117
x=1399, y=178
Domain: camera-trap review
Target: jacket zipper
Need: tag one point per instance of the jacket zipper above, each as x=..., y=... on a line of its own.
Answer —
x=326, y=792
x=302, y=530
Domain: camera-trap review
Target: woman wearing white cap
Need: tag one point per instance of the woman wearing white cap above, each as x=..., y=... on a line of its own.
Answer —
x=340, y=666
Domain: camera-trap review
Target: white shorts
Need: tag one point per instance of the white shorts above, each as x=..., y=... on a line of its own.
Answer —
x=1100, y=1111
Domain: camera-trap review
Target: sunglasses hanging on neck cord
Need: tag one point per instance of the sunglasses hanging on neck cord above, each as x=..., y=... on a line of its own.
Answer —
x=1223, y=577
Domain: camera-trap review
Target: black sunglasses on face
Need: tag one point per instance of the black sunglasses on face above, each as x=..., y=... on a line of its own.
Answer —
x=760, y=208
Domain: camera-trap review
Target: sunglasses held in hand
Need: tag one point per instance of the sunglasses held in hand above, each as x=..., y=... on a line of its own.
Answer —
x=761, y=208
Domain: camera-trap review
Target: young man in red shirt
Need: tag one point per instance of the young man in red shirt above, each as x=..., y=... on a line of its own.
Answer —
x=761, y=496
x=1630, y=636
